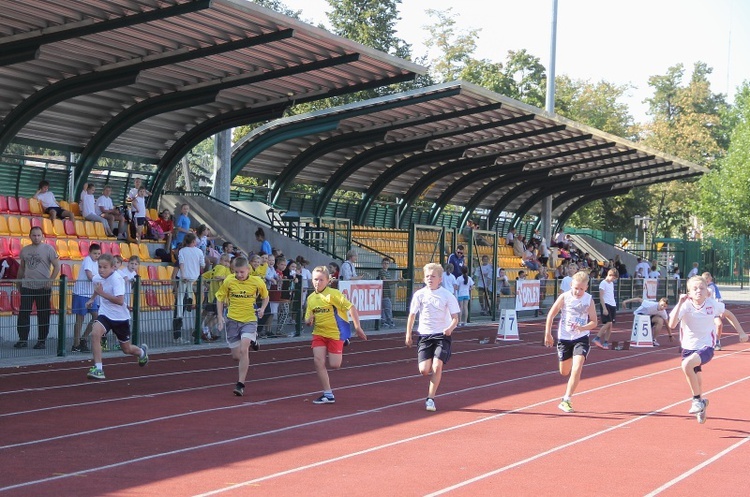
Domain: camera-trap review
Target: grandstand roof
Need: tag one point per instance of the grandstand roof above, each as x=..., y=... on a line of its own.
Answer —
x=150, y=78
x=454, y=143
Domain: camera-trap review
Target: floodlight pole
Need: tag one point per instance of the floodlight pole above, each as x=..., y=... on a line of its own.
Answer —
x=550, y=108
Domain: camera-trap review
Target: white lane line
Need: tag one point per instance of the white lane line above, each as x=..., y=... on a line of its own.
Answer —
x=338, y=418
x=697, y=468
x=569, y=444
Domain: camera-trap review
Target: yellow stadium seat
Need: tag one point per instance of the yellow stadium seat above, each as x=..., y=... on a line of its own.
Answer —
x=164, y=273
x=101, y=233
x=4, y=230
x=36, y=207
x=74, y=250
x=76, y=271
x=25, y=224
x=62, y=249
x=144, y=255
x=90, y=229
x=48, y=228
x=64, y=204
x=59, y=227
x=80, y=228
x=125, y=251
x=75, y=209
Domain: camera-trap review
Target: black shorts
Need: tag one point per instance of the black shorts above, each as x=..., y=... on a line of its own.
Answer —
x=58, y=210
x=431, y=346
x=566, y=349
x=121, y=329
x=611, y=310
x=140, y=221
x=210, y=307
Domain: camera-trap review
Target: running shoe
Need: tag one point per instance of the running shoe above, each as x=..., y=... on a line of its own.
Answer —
x=324, y=400
x=95, y=373
x=598, y=342
x=701, y=416
x=565, y=406
x=239, y=390
x=255, y=345
x=142, y=361
x=606, y=346
x=696, y=406
x=429, y=405
x=40, y=345
x=717, y=346
x=656, y=344
x=21, y=344
x=75, y=348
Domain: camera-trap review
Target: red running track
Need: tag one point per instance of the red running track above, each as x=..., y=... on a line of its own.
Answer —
x=174, y=428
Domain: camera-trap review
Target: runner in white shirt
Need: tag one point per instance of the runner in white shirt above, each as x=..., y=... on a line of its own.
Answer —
x=698, y=316
x=608, y=307
x=109, y=289
x=577, y=319
x=438, y=316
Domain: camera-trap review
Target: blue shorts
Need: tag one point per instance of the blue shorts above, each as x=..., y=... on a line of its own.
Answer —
x=79, y=305
x=463, y=298
x=706, y=354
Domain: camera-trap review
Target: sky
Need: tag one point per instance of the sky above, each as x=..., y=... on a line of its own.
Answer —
x=622, y=42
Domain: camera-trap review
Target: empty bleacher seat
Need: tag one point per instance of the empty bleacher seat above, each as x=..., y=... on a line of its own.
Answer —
x=23, y=206
x=59, y=226
x=13, y=206
x=35, y=207
x=70, y=228
x=4, y=247
x=3, y=204
x=76, y=210
x=80, y=228
x=15, y=246
x=62, y=249
x=83, y=247
x=47, y=227
x=4, y=230
x=74, y=250
x=14, y=226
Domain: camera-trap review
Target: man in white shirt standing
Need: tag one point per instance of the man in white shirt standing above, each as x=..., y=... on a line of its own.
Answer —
x=192, y=262
x=608, y=307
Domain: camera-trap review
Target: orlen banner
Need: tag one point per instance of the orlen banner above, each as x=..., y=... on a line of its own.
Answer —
x=527, y=295
x=366, y=295
x=649, y=289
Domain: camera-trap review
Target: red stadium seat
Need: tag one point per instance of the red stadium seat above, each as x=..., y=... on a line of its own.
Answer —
x=4, y=247
x=70, y=228
x=5, y=305
x=67, y=270
x=153, y=273
x=23, y=206
x=115, y=248
x=13, y=206
x=15, y=300
x=106, y=248
x=3, y=204
x=15, y=247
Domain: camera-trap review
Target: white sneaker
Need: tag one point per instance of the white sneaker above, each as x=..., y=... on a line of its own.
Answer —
x=429, y=405
x=656, y=344
x=696, y=407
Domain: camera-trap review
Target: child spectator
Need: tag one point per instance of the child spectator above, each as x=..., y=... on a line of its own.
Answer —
x=166, y=224
x=139, y=212
x=49, y=204
x=578, y=318
x=82, y=292
x=438, y=316
x=192, y=262
x=305, y=277
x=448, y=281
x=90, y=211
x=326, y=313
x=215, y=277
x=240, y=291
x=109, y=289
x=260, y=235
x=464, y=284
x=182, y=225
x=128, y=274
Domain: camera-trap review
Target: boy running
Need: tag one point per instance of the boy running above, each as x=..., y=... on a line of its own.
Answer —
x=240, y=290
x=326, y=313
x=109, y=289
x=438, y=316
x=698, y=315
x=577, y=319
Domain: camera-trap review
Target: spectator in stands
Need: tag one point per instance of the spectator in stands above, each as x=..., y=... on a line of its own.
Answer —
x=448, y=280
x=215, y=277
x=654, y=272
x=458, y=260
x=510, y=237
x=503, y=285
x=334, y=272
x=483, y=277
x=465, y=284
x=644, y=267
x=82, y=292
x=133, y=193
x=305, y=277
x=166, y=224
x=49, y=204
x=139, y=213
x=693, y=271
x=192, y=262
x=128, y=273
x=261, y=268
x=39, y=267
x=182, y=225
x=89, y=210
x=260, y=235
x=518, y=246
x=544, y=253
x=566, y=282
x=348, y=271
x=386, y=312
x=106, y=209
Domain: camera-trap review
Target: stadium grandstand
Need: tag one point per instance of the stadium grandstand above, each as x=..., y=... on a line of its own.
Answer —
x=119, y=89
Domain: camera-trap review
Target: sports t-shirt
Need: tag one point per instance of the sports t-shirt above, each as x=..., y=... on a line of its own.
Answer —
x=83, y=285
x=607, y=291
x=47, y=199
x=697, y=328
x=260, y=271
x=329, y=308
x=112, y=285
x=88, y=205
x=104, y=204
x=464, y=287
x=216, y=275
x=191, y=260
x=435, y=308
x=573, y=311
x=449, y=282
x=651, y=308
x=182, y=222
x=241, y=296
x=139, y=206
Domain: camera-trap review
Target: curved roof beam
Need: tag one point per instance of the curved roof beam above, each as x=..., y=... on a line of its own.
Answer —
x=26, y=48
x=508, y=197
x=585, y=199
x=239, y=117
x=415, y=145
x=180, y=100
x=106, y=79
x=498, y=168
x=536, y=174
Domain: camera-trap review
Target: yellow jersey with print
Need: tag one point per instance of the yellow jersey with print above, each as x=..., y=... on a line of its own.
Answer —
x=260, y=271
x=329, y=308
x=241, y=296
x=216, y=277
